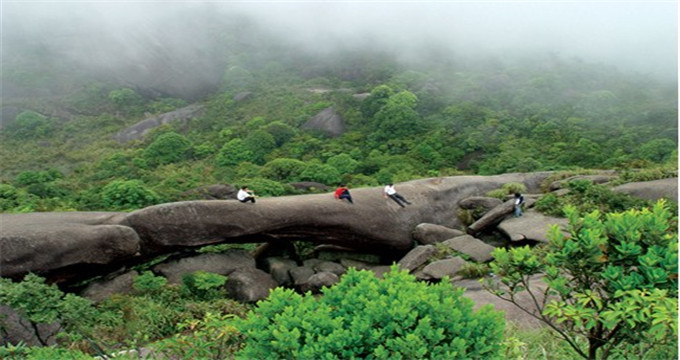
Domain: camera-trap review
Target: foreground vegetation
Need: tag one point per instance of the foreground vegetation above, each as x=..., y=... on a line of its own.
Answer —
x=612, y=292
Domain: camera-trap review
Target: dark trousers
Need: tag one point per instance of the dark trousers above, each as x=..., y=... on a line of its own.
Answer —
x=347, y=196
x=398, y=199
x=249, y=198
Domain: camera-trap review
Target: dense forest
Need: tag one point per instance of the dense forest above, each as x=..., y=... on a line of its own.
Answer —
x=400, y=117
x=436, y=115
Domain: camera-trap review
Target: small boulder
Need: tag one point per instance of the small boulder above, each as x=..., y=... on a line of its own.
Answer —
x=432, y=233
x=440, y=268
x=15, y=329
x=222, y=264
x=318, y=281
x=279, y=268
x=484, y=203
x=100, y=290
x=299, y=275
x=651, y=190
x=249, y=285
x=476, y=249
x=416, y=257
x=531, y=226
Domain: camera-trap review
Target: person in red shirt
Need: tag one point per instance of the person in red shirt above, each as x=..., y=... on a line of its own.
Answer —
x=342, y=192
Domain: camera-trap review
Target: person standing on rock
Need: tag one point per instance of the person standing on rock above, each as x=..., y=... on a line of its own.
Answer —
x=342, y=192
x=519, y=203
x=244, y=195
x=391, y=193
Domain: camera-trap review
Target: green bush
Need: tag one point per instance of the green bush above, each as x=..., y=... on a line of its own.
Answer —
x=41, y=303
x=203, y=285
x=365, y=317
x=128, y=194
x=147, y=282
x=167, y=148
x=612, y=280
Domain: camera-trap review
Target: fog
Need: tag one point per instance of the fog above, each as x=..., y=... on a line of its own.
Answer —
x=132, y=40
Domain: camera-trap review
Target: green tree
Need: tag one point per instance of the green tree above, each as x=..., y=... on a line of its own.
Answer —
x=322, y=173
x=282, y=169
x=128, y=194
x=366, y=317
x=611, y=282
x=125, y=98
x=344, y=163
x=280, y=131
x=259, y=143
x=233, y=153
x=167, y=148
x=657, y=150
x=30, y=124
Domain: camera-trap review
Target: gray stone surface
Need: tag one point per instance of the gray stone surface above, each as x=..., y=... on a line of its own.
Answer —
x=249, y=285
x=531, y=226
x=44, y=243
x=651, y=190
x=318, y=281
x=327, y=121
x=138, y=130
x=416, y=257
x=432, y=233
x=223, y=264
x=300, y=274
x=479, y=202
x=100, y=290
x=279, y=268
x=440, y=268
x=476, y=249
x=15, y=329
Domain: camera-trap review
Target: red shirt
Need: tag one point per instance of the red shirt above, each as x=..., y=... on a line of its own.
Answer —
x=339, y=192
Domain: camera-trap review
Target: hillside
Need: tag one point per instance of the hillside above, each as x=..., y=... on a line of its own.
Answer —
x=395, y=120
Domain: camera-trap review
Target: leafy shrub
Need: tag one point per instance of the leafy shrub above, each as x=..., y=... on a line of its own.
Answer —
x=41, y=303
x=212, y=337
x=204, y=285
x=266, y=187
x=550, y=204
x=30, y=124
x=498, y=194
x=364, y=317
x=514, y=187
x=613, y=281
x=128, y=194
x=148, y=282
x=167, y=148
x=473, y=270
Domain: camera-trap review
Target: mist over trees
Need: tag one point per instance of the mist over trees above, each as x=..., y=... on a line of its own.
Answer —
x=417, y=100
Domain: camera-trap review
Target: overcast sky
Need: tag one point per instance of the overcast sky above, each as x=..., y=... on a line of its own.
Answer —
x=631, y=35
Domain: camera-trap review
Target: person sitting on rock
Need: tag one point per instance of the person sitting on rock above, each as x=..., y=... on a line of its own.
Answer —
x=342, y=192
x=244, y=195
x=394, y=195
x=519, y=203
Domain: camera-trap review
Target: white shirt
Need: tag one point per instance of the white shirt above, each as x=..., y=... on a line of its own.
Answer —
x=389, y=190
x=242, y=194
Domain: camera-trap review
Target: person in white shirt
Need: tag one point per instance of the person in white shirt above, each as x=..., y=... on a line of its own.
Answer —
x=394, y=195
x=244, y=195
x=519, y=203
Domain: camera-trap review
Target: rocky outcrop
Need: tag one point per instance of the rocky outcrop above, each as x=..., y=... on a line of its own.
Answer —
x=327, y=121
x=100, y=290
x=432, y=233
x=249, y=285
x=531, y=226
x=651, y=190
x=45, y=242
x=370, y=225
x=138, y=130
x=416, y=257
x=476, y=249
x=440, y=268
x=222, y=264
